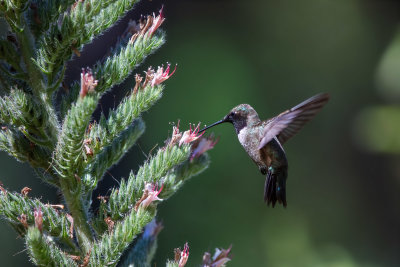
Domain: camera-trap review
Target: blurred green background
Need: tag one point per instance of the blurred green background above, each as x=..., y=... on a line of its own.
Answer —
x=344, y=176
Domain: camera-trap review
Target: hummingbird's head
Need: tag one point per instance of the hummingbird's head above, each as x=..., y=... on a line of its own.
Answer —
x=240, y=116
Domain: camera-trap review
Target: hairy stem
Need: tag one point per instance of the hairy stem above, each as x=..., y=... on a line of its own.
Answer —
x=78, y=212
x=36, y=79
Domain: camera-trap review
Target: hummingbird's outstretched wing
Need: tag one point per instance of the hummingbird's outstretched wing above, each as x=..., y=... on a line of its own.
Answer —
x=289, y=122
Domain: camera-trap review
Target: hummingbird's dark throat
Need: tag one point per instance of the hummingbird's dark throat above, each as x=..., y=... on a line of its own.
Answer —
x=239, y=125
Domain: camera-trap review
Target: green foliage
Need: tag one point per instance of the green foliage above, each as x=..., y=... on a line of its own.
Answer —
x=165, y=164
x=112, y=153
x=108, y=250
x=44, y=252
x=172, y=264
x=69, y=150
x=145, y=247
x=13, y=205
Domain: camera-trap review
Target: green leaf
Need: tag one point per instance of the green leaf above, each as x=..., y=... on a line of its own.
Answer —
x=116, y=68
x=124, y=198
x=111, y=154
x=85, y=20
x=44, y=252
x=106, y=131
x=13, y=205
x=108, y=250
x=69, y=151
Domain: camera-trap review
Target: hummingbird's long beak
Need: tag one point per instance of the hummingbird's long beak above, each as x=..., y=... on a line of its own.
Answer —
x=226, y=119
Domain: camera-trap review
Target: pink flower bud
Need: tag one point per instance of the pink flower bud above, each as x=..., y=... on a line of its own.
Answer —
x=38, y=214
x=88, y=83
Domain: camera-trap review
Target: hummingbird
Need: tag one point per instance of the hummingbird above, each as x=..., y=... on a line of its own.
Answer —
x=263, y=140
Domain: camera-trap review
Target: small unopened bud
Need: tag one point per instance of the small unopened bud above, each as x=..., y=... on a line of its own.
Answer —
x=176, y=136
x=88, y=82
x=23, y=220
x=71, y=228
x=38, y=214
x=149, y=76
x=25, y=191
x=110, y=224
x=138, y=80
x=88, y=149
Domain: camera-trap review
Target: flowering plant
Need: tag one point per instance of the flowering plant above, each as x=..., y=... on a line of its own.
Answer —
x=69, y=150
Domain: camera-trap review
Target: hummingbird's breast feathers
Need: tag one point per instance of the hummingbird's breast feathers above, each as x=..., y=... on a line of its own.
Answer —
x=249, y=138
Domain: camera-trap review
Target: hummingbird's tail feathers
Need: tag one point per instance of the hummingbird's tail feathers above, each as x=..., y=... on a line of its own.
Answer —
x=275, y=186
x=290, y=122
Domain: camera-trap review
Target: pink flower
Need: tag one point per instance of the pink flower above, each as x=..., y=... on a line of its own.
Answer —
x=160, y=75
x=205, y=144
x=190, y=135
x=176, y=136
x=184, y=255
x=150, y=194
x=88, y=83
x=38, y=214
x=157, y=21
x=88, y=149
x=220, y=258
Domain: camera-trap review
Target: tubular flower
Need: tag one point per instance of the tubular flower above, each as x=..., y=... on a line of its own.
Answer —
x=150, y=194
x=160, y=75
x=88, y=83
x=157, y=21
x=220, y=258
x=184, y=255
x=190, y=135
x=205, y=144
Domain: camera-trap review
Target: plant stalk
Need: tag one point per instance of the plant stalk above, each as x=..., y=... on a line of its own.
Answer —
x=78, y=212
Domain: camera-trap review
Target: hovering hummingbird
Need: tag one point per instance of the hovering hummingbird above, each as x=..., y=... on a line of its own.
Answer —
x=263, y=140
